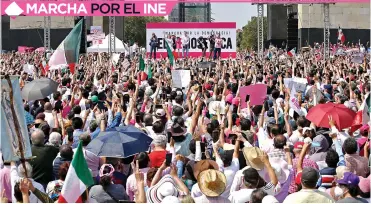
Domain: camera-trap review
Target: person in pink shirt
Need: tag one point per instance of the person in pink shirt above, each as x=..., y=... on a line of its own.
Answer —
x=178, y=44
x=218, y=46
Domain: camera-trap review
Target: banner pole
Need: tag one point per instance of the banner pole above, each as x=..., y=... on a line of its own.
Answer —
x=16, y=124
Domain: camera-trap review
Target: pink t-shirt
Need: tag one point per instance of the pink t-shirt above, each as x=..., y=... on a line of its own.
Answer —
x=178, y=43
x=218, y=43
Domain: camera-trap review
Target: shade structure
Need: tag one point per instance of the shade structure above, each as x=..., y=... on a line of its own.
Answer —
x=104, y=47
x=39, y=89
x=120, y=142
x=206, y=64
x=342, y=115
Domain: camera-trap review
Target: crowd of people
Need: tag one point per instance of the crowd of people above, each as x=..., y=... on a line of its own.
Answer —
x=220, y=152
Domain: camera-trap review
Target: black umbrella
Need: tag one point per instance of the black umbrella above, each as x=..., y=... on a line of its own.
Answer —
x=120, y=142
x=39, y=89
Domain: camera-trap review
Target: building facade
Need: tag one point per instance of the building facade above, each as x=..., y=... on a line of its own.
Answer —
x=354, y=20
x=194, y=12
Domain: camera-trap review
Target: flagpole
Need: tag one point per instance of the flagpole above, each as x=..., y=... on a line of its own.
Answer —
x=16, y=124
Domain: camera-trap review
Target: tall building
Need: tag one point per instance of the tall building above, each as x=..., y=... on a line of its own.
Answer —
x=191, y=12
x=353, y=18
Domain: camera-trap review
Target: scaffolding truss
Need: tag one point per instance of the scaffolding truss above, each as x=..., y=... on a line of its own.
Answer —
x=47, y=25
x=112, y=43
x=326, y=31
x=260, y=30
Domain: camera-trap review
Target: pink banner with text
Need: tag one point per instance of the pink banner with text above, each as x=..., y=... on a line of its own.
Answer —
x=122, y=8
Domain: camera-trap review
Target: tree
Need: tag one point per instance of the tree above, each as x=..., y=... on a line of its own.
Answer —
x=249, y=37
x=135, y=27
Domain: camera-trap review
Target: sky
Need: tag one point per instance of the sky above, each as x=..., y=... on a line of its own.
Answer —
x=240, y=13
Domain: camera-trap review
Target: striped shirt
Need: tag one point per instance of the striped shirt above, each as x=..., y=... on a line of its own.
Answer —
x=327, y=177
x=306, y=163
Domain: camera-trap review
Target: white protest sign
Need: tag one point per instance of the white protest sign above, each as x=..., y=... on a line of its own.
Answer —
x=96, y=29
x=294, y=102
x=28, y=68
x=357, y=58
x=298, y=83
x=126, y=64
x=181, y=78
x=95, y=37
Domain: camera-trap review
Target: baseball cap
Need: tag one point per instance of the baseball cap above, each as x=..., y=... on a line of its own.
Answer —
x=309, y=175
x=235, y=101
x=94, y=99
x=364, y=184
x=160, y=112
x=229, y=98
x=208, y=86
x=298, y=145
x=349, y=179
x=364, y=128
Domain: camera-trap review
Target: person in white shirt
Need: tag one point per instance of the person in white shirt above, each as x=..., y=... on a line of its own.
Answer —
x=230, y=169
x=185, y=44
x=134, y=48
x=17, y=173
x=49, y=118
x=252, y=180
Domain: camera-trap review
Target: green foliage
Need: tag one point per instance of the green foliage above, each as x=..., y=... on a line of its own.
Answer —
x=135, y=27
x=248, y=38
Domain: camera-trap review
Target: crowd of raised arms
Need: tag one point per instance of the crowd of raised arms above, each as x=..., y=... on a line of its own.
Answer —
x=221, y=151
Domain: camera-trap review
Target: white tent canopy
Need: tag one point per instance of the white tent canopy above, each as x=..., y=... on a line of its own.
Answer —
x=104, y=47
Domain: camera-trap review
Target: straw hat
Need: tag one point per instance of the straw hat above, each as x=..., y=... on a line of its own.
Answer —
x=204, y=165
x=212, y=182
x=252, y=155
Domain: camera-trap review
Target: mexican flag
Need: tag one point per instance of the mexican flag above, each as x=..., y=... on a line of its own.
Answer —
x=44, y=68
x=149, y=72
x=78, y=179
x=172, y=55
x=141, y=74
x=141, y=63
x=292, y=52
x=341, y=36
x=67, y=52
x=363, y=115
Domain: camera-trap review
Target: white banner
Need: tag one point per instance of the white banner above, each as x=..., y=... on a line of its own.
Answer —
x=181, y=78
x=96, y=29
x=95, y=37
x=195, y=30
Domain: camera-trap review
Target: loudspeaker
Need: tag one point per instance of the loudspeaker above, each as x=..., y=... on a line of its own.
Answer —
x=292, y=33
x=83, y=33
